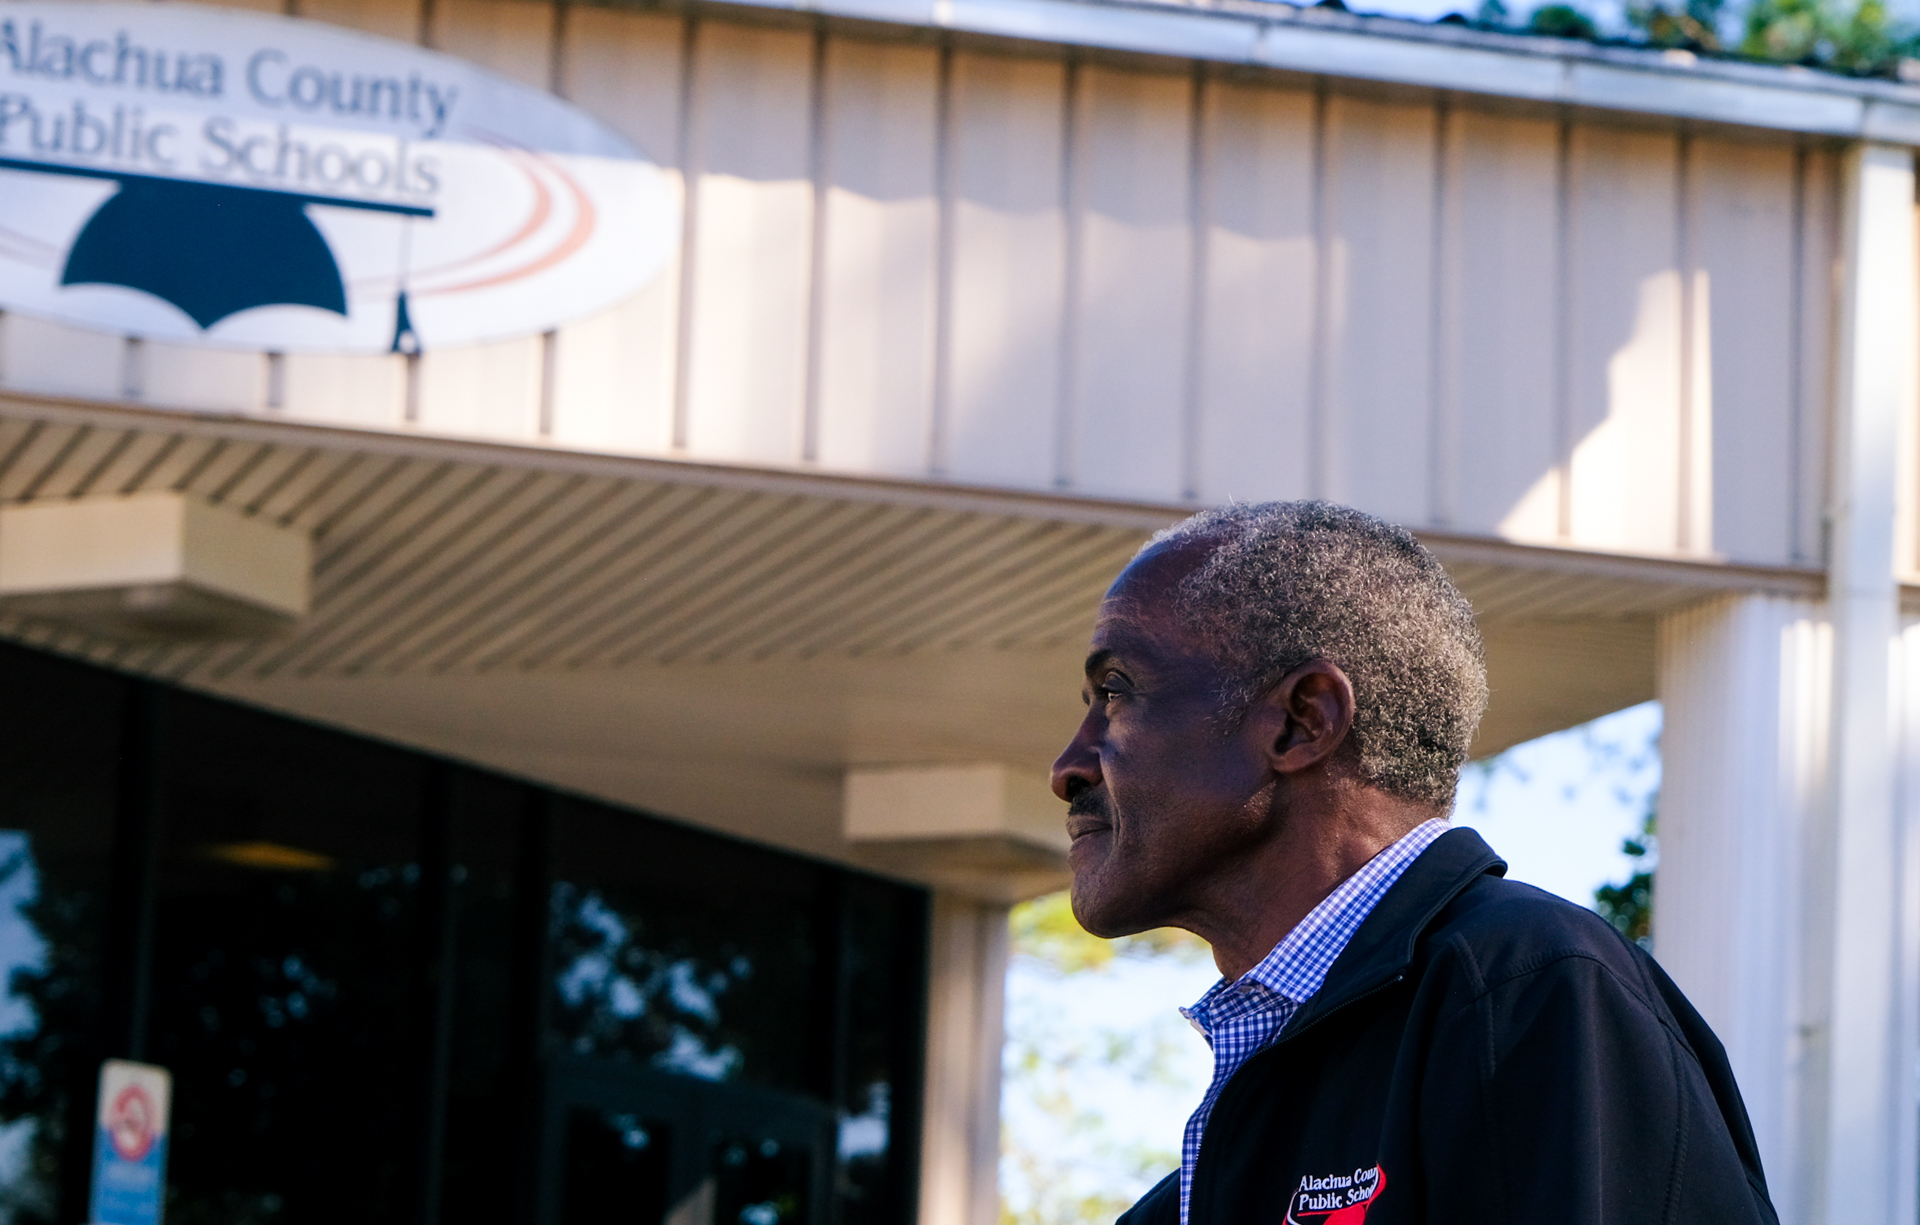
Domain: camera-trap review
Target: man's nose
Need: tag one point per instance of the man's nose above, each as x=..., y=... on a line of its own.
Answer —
x=1078, y=766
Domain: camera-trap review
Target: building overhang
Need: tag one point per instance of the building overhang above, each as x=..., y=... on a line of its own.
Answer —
x=725, y=645
x=1331, y=44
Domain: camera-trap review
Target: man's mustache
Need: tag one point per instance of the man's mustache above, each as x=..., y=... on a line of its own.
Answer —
x=1090, y=802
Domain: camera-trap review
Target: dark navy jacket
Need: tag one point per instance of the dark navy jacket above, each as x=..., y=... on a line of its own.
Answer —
x=1481, y=1052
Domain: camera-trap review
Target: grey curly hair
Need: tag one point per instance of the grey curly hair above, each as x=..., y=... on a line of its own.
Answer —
x=1285, y=583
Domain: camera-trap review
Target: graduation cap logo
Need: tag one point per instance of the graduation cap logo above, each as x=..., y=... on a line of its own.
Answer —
x=213, y=249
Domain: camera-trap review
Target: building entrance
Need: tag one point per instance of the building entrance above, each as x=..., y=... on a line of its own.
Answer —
x=397, y=990
x=632, y=1146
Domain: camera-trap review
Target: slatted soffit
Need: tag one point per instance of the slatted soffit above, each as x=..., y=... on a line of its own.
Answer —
x=444, y=558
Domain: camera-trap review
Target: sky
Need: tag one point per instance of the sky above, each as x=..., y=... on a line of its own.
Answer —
x=1557, y=809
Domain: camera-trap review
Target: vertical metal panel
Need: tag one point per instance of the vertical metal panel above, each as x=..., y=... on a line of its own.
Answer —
x=488, y=391
x=1009, y=254
x=1625, y=363
x=613, y=384
x=624, y=69
x=1743, y=252
x=613, y=377
x=1498, y=293
x=882, y=224
x=359, y=391
x=1818, y=254
x=182, y=377
x=512, y=37
x=923, y=322
x=750, y=266
x=1377, y=225
x=1260, y=285
x=1134, y=285
x=37, y=355
x=389, y=18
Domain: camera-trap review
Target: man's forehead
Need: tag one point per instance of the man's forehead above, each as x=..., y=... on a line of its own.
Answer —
x=1137, y=618
x=1149, y=580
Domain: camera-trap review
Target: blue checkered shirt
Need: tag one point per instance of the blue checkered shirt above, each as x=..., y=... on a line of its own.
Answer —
x=1238, y=1018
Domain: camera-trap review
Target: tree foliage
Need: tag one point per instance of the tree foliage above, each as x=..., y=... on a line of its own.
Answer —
x=1693, y=25
x=1045, y=930
x=1065, y=1161
x=1628, y=904
x=1855, y=37
x=1863, y=40
x=1562, y=21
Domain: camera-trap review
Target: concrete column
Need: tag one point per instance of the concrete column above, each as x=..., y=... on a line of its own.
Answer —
x=1863, y=1115
x=960, y=1145
x=1744, y=683
x=1786, y=905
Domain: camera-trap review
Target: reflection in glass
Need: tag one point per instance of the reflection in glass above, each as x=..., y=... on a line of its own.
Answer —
x=684, y=951
x=286, y=988
x=886, y=939
x=759, y=1181
x=31, y=1025
x=617, y=995
x=349, y=1038
x=59, y=741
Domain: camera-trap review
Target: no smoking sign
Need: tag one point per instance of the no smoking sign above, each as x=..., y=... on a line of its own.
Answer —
x=130, y=1144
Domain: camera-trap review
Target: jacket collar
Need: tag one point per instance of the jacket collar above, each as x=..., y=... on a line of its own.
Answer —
x=1384, y=946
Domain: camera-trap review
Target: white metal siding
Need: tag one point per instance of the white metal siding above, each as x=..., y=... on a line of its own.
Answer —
x=1166, y=286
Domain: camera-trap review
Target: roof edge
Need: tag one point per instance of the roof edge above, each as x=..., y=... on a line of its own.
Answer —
x=1708, y=575
x=1388, y=50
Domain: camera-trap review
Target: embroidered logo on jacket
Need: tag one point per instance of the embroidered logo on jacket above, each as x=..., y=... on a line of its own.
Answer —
x=1336, y=1199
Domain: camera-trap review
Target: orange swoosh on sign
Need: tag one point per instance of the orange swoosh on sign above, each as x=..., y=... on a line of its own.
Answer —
x=583, y=224
x=537, y=217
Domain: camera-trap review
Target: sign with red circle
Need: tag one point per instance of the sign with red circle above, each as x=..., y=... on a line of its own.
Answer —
x=130, y=1123
x=130, y=1144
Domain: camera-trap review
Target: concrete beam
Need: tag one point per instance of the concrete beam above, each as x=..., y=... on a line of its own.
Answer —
x=153, y=565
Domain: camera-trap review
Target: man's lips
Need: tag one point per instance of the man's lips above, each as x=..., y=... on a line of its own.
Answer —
x=1080, y=824
x=1087, y=814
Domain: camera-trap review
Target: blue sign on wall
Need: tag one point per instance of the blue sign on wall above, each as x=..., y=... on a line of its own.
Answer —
x=130, y=1144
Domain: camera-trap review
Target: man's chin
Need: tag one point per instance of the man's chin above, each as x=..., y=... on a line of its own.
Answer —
x=1103, y=915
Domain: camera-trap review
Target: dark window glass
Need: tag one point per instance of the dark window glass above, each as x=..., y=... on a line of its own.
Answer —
x=616, y=1168
x=496, y=841
x=646, y=1147
x=706, y=957
x=370, y=972
x=685, y=951
x=287, y=994
x=60, y=729
x=886, y=940
x=760, y=1181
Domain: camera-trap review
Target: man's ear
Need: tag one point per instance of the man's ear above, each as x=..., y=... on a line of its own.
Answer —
x=1306, y=717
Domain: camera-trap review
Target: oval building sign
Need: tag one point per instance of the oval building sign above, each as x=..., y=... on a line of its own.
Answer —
x=236, y=180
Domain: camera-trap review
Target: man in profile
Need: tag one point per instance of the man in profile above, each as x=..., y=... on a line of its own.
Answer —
x=1279, y=700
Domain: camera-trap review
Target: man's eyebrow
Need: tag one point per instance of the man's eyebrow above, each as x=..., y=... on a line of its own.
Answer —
x=1098, y=658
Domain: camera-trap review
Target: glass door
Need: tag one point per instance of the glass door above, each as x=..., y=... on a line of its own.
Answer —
x=635, y=1146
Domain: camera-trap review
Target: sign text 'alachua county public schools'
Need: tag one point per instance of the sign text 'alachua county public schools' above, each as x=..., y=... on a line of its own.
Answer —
x=246, y=181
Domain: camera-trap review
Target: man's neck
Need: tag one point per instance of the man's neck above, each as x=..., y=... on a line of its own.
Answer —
x=1251, y=908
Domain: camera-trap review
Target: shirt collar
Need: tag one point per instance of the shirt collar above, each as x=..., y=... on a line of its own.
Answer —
x=1296, y=967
